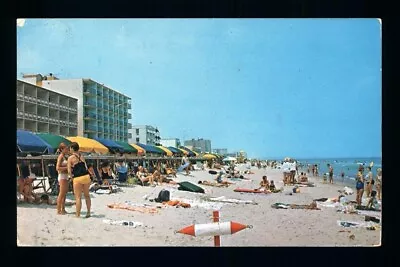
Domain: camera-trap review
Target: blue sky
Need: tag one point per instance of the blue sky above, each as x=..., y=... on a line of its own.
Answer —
x=273, y=87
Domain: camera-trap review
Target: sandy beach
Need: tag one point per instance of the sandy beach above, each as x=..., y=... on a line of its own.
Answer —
x=38, y=225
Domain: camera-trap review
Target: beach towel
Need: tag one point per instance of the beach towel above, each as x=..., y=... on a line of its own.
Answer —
x=132, y=208
x=204, y=204
x=357, y=224
x=187, y=186
x=123, y=223
x=213, y=184
x=232, y=200
x=294, y=206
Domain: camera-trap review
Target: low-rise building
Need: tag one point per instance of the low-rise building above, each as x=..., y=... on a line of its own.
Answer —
x=174, y=142
x=145, y=134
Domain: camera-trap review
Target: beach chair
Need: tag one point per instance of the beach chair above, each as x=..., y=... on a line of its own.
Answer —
x=52, y=175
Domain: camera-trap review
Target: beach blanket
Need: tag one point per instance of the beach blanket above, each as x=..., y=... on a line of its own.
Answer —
x=208, y=205
x=132, y=208
x=232, y=200
x=357, y=224
x=294, y=206
x=123, y=223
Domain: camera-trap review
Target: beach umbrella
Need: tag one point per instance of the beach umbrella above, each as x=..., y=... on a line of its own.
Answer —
x=166, y=150
x=151, y=149
x=88, y=145
x=53, y=140
x=28, y=142
x=186, y=153
x=111, y=145
x=127, y=148
x=209, y=156
x=191, y=153
x=229, y=159
x=175, y=150
x=140, y=150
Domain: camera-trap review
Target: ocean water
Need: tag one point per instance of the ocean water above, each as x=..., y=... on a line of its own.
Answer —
x=348, y=165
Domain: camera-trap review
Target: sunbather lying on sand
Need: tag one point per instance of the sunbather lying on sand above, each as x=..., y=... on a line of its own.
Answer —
x=219, y=179
x=132, y=208
x=162, y=179
x=144, y=177
x=213, y=184
x=312, y=206
x=177, y=203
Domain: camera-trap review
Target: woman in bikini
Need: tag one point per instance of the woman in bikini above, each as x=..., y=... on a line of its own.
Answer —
x=77, y=170
x=61, y=168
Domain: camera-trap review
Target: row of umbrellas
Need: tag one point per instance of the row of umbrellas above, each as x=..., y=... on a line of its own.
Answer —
x=44, y=143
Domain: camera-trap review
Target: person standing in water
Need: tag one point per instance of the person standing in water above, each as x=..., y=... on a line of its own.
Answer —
x=77, y=170
x=330, y=168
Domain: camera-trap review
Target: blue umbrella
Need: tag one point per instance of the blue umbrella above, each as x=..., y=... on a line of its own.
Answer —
x=110, y=144
x=175, y=150
x=151, y=149
x=28, y=142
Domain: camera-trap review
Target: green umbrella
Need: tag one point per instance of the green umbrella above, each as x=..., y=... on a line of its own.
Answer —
x=53, y=140
x=127, y=148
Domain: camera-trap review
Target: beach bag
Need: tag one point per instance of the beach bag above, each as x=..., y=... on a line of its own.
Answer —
x=187, y=186
x=163, y=196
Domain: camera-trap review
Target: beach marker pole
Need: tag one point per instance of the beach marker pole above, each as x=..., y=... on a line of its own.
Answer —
x=217, y=238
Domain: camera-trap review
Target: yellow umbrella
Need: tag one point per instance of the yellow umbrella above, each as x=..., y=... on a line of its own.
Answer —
x=140, y=150
x=209, y=156
x=88, y=145
x=169, y=152
x=184, y=151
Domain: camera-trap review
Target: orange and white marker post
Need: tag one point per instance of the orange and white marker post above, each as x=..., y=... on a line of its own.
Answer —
x=215, y=229
x=217, y=239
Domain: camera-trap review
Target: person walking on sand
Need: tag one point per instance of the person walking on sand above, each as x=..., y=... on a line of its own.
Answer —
x=185, y=161
x=330, y=168
x=61, y=167
x=77, y=170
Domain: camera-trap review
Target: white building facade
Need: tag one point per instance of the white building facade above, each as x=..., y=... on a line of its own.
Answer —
x=174, y=142
x=102, y=111
x=145, y=134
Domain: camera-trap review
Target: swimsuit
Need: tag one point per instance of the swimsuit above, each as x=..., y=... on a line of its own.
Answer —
x=63, y=175
x=80, y=173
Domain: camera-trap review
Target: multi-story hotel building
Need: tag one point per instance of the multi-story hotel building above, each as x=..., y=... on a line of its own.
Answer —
x=42, y=110
x=174, y=142
x=102, y=112
x=145, y=134
x=200, y=145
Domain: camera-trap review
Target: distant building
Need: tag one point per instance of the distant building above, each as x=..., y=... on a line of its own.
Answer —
x=200, y=145
x=102, y=112
x=42, y=110
x=174, y=142
x=145, y=134
x=220, y=151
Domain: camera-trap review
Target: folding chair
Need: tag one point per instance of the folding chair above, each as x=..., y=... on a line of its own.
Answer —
x=53, y=179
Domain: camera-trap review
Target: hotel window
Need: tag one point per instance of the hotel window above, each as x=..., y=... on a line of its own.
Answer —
x=137, y=131
x=137, y=139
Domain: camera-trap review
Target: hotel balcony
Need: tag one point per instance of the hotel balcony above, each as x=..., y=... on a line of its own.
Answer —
x=89, y=91
x=129, y=116
x=90, y=104
x=89, y=116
